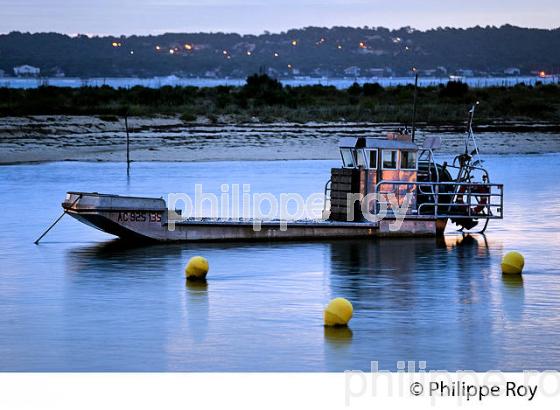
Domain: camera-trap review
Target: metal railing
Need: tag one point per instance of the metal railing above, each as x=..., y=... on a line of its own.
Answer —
x=457, y=200
x=327, y=200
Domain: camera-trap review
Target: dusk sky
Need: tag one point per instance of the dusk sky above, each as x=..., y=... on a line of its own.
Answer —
x=256, y=16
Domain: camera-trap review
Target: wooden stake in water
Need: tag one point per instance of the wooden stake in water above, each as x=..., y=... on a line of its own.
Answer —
x=127, y=145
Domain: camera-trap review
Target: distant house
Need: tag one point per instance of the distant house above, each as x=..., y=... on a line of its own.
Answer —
x=26, y=71
x=456, y=78
x=512, y=71
x=321, y=72
x=465, y=72
x=429, y=72
x=57, y=72
x=237, y=73
x=442, y=69
x=272, y=72
x=352, y=71
x=211, y=73
x=376, y=72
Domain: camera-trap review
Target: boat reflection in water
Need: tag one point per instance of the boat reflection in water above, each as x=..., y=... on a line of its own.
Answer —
x=437, y=300
x=442, y=300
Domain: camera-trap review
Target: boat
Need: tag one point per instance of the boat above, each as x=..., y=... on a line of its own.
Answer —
x=384, y=187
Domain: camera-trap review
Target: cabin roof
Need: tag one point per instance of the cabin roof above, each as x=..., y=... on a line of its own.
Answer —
x=369, y=142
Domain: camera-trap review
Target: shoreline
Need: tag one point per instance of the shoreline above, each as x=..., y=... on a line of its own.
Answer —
x=202, y=161
x=40, y=139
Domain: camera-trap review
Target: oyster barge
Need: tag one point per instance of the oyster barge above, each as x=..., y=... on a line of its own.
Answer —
x=385, y=174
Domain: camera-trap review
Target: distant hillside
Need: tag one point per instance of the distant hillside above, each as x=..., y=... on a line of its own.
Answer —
x=334, y=52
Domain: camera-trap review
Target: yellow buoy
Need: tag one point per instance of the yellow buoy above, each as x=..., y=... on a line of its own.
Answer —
x=197, y=268
x=512, y=263
x=338, y=312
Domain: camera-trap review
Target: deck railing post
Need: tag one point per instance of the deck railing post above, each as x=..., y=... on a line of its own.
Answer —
x=469, y=199
x=436, y=200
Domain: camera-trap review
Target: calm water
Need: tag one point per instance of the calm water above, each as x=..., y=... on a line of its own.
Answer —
x=83, y=301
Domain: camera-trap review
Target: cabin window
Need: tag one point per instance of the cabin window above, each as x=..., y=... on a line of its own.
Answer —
x=389, y=159
x=408, y=159
x=348, y=158
x=371, y=157
x=361, y=158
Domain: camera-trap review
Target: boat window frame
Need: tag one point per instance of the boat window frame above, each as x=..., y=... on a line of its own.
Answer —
x=367, y=154
x=415, y=152
x=354, y=159
x=360, y=153
x=383, y=167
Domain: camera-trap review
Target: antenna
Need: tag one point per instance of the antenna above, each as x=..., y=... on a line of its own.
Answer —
x=414, y=102
x=470, y=133
x=471, y=116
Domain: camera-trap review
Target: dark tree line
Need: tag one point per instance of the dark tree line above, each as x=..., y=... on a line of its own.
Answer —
x=309, y=51
x=267, y=99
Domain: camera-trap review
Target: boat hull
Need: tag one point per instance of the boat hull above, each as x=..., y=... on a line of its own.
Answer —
x=147, y=219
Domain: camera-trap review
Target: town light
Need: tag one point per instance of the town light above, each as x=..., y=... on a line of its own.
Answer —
x=362, y=44
x=290, y=66
x=171, y=51
x=542, y=74
x=225, y=52
x=294, y=43
x=339, y=47
x=249, y=53
x=115, y=44
x=188, y=46
x=276, y=54
x=158, y=48
x=131, y=51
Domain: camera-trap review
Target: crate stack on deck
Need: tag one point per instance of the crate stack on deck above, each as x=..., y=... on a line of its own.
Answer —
x=344, y=181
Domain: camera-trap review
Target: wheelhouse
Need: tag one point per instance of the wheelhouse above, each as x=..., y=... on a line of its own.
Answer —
x=396, y=170
x=374, y=160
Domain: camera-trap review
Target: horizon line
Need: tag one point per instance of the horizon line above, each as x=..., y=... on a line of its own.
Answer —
x=267, y=32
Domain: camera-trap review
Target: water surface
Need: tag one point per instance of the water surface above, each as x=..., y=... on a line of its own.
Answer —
x=82, y=301
x=341, y=83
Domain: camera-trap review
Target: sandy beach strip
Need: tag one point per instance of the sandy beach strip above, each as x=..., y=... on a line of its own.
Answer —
x=88, y=138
